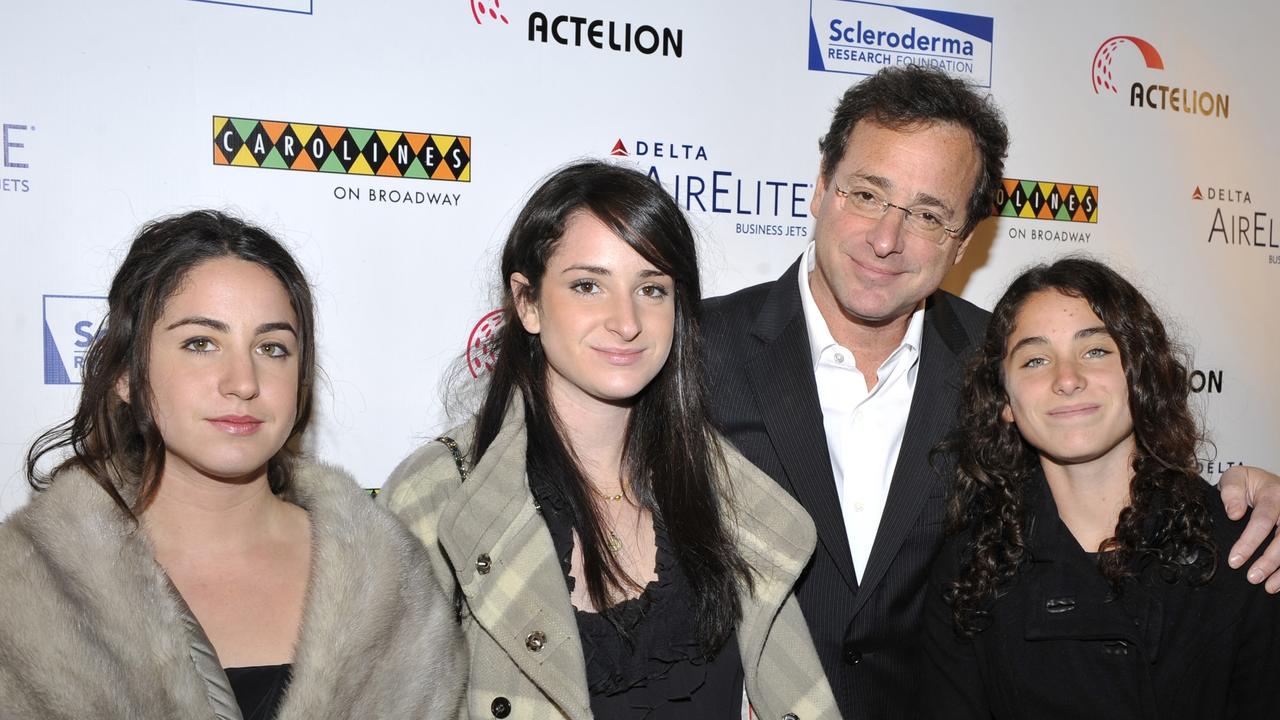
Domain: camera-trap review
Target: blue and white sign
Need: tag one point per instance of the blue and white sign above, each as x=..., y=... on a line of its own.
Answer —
x=70, y=324
x=302, y=7
x=854, y=37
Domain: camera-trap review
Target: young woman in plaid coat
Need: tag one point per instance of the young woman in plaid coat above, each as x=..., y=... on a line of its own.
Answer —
x=611, y=555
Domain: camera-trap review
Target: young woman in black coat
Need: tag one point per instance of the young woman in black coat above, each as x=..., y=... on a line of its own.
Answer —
x=1084, y=580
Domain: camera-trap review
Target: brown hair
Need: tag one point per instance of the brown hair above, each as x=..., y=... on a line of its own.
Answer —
x=117, y=442
x=912, y=96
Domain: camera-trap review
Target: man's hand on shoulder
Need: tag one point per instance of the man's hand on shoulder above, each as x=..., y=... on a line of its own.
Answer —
x=1244, y=486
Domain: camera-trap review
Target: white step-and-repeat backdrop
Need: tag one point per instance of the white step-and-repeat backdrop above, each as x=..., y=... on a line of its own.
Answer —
x=389, y=143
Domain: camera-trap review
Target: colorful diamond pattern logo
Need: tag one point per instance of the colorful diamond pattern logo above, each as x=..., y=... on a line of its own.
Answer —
x=1041, y=200
x=282, y=145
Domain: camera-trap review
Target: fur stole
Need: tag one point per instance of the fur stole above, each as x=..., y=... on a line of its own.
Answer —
x=90, y=625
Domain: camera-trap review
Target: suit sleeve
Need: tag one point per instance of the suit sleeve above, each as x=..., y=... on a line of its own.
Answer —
x=952, y=682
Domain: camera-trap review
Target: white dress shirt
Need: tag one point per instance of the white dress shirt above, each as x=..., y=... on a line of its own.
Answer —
x=864, y=428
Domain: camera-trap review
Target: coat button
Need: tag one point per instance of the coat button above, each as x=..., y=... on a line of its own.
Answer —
x=535, y=641
x=852, y=656
x=500, y=707
x=1057, y=606
x=483, y=564
x=1116, y=647
x=790, y=716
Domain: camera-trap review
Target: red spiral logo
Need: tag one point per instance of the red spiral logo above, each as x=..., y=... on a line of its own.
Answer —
x=1106, y=54
x=480, y=12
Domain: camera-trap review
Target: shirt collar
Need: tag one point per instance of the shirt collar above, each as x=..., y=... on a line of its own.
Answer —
x=820, y=337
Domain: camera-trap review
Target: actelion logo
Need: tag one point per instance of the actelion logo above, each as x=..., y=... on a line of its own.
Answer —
x=1106, y=54
x=482, y=343
x=492, y=11
x=1153, y=96
x=282, y=145
x=581, y=31
x=604, y=34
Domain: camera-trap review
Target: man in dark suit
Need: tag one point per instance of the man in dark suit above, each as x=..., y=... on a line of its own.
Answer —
x=838, y=378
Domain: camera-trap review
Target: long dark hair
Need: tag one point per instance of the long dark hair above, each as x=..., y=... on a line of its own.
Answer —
x=1166, y=520
x=117, y=442
x=670, y=453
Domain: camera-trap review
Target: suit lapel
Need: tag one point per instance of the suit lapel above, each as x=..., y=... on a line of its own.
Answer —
x=933, y=406
x=781, y=378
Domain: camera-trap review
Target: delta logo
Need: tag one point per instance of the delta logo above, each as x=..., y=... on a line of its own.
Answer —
x=1042, y=200
x=759, y=205
x=1238, y=226
x=1221, y=194
x=660, y=149
x=282, y=145
x=1120, y=50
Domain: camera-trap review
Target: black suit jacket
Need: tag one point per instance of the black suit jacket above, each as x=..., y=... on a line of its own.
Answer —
x=765, y=400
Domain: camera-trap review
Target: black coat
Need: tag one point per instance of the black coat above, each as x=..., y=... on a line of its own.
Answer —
x=765, y=400
x=1057, y=648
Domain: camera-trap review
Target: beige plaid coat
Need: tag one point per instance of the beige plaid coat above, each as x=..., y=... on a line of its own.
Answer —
x=526, y=661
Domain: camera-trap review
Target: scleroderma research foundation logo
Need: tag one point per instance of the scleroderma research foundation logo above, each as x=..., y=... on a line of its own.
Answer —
x=282, y=145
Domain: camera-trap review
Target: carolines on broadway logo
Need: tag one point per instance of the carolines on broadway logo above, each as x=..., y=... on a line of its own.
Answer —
x=1118, y=70
x=335, y=149
x=1237, y=222
x=702, y=182
x=1044, y=200
x=856, y=37
x=550, y=27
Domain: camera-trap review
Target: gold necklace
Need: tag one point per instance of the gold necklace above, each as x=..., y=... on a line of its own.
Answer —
x=614, y=542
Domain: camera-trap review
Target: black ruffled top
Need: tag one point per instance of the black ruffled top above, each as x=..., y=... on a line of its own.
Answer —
x=659, y=669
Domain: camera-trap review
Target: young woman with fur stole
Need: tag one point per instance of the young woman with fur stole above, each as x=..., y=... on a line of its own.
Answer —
x=182, y=562
x=612, y=556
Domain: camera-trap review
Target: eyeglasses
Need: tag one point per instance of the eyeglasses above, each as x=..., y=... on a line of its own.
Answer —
x=921, y=222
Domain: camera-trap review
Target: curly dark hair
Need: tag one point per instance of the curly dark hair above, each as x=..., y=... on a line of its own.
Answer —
x=1166, y=521
x=911, y=96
